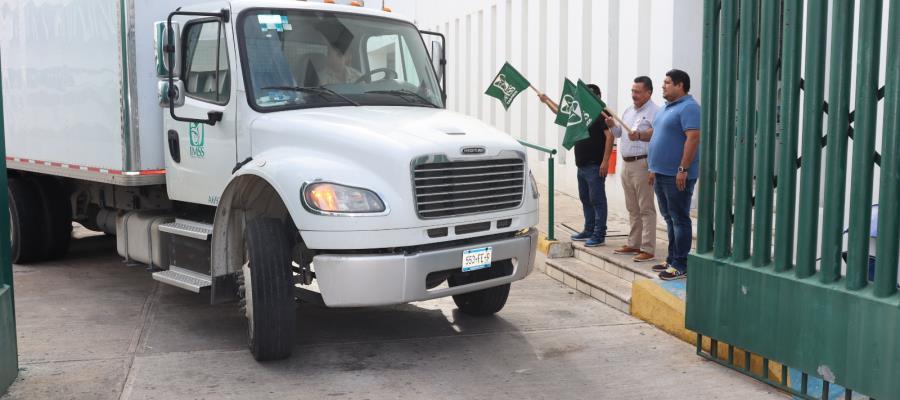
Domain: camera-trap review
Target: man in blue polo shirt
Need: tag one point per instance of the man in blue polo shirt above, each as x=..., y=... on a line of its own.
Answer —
x=674, y=159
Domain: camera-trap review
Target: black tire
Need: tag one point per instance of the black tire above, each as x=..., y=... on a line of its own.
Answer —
x=270, y=306
x=24, y=220
x=56, y=213
x=486, y=301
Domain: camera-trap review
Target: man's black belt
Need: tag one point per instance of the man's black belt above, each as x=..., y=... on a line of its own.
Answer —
x=635, y=158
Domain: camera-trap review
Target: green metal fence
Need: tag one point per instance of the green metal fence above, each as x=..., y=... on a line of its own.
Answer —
x=794, y=299
x=550, y=183
x=8, y=351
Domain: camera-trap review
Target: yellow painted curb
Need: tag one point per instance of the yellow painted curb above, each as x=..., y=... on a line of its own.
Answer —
x=651, y=303
x=544, y=244
x=655, y=305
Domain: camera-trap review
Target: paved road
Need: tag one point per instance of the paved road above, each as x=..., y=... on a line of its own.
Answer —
x=90, y=327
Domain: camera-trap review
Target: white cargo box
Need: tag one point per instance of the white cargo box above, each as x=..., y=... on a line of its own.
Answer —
x=79, y=88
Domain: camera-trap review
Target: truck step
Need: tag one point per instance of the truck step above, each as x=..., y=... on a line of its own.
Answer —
x=183, y=278
x=191, y=229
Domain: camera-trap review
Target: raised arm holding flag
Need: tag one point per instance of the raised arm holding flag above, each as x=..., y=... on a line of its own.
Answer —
x=578, y=108
x=509, y=83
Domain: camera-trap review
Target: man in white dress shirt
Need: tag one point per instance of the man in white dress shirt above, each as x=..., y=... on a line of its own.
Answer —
x=639, y=196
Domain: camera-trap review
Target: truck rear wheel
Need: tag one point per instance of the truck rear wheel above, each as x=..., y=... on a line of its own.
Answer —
x=485, y=301
x=268, y=290
x=56, y=213
x=24, y=220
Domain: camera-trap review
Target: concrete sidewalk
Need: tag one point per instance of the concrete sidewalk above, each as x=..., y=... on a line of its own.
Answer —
x=568, y=211
x=90, y=327
x=569, y=214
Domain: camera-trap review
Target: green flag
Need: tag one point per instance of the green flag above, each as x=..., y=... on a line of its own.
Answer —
x=591, y=105
x=585, y=109
x=507, y=85
x=565, y=103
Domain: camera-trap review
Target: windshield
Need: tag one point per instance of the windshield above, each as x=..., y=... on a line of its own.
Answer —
x=300, y=59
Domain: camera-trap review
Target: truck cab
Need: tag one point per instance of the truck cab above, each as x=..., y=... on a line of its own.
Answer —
x=308, y=154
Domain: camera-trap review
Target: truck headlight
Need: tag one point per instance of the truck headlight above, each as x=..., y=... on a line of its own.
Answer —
x=534, y=187
x=326, y=197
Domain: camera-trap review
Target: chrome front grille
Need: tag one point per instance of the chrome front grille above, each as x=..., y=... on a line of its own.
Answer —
x=454, y=188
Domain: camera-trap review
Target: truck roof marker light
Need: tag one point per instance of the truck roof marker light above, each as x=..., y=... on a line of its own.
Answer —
x=387, y=9
x=356, y=4
x=328, y=1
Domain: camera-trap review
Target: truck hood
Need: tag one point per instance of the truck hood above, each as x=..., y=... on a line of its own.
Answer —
x=372, y=148
x=367, y=131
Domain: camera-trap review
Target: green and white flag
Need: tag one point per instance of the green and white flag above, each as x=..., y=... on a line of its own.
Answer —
x=507, y=85
x=566, y=100
x=585, y=109
x=591, y=105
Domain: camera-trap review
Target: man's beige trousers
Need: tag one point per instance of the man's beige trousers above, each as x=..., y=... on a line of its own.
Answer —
x=640, y=202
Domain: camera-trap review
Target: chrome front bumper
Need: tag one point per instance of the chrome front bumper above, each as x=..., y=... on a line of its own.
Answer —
x=373, y=280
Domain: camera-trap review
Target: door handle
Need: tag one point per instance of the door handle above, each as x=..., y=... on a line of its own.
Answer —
x=174, y=147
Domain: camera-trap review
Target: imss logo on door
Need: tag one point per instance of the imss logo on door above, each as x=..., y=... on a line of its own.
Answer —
x=197, y=134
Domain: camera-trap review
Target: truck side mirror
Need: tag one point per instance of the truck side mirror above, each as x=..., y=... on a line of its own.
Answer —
x=163, y=39
x=438, y=60
x=173, y=90
x=170, y=94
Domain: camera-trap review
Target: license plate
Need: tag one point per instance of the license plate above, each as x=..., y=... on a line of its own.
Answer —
x=476, y=259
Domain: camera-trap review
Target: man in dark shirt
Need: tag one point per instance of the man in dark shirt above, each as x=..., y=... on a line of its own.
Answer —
x=592, y=159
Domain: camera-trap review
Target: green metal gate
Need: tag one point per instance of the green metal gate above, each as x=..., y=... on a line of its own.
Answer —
x=760, y=279
x=8, y=352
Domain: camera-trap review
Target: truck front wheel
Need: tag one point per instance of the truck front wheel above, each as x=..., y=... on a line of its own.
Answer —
x=485, y=301
x=267, y=290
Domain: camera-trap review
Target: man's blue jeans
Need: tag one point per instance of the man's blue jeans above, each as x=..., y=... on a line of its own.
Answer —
x=592, y=192
x=675, y=207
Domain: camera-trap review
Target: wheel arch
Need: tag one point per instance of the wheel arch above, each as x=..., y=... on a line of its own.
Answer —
x=247, y=196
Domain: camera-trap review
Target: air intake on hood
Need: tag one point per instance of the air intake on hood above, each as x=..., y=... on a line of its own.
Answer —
x=449, y=189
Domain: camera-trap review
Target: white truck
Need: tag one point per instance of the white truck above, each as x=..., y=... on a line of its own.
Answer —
x=262, y=152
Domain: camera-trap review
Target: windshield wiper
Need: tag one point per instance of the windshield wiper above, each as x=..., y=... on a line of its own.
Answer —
x=406, y=94
x=320, y=90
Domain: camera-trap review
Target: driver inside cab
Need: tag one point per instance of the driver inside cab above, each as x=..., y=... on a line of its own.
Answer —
x=337, y=67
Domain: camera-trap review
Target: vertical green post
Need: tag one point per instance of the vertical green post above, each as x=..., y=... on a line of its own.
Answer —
x=765, y=133
x=746, y=112
x=836, y=151
x=8, y=352
x=790, y=125
x=708, y=124
x=725, y=129
x=889, y=215
x=868, y=58
x=552, y=190
x=813, y=109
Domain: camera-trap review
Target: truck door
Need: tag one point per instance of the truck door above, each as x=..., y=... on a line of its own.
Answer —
x=200, y=156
